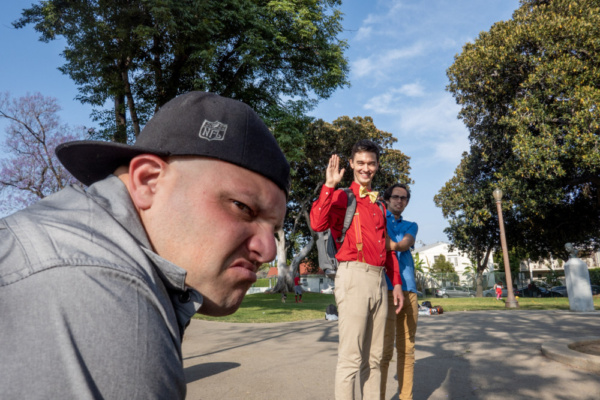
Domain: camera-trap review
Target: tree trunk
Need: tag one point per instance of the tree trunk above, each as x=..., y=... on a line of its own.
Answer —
x=286, y=273
x=479, y=283
x=481, y=266
x=282, y=267
x=120, y=135
x=131, y=103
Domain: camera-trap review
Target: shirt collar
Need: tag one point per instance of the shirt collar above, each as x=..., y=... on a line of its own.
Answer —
x=390, y=215
x=112, y=195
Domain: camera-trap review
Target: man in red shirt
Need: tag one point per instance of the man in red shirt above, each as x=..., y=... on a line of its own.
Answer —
x=360, y=285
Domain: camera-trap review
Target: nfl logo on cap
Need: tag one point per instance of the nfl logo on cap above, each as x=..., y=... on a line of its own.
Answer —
x=212, y=130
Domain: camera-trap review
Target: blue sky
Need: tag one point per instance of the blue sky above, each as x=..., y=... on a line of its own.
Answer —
x=399, y=52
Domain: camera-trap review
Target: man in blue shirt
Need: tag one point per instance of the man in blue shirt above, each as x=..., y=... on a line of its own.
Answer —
x=403, y=326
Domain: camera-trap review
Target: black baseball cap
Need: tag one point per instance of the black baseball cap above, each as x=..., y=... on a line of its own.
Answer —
x=193, y=124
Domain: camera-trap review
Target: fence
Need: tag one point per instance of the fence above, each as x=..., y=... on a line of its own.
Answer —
x=426, y=283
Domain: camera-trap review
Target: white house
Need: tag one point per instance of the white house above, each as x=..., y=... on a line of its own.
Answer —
x=430, y=253
x=310, y=282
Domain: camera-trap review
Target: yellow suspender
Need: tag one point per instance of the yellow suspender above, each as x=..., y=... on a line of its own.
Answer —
x=359, y=244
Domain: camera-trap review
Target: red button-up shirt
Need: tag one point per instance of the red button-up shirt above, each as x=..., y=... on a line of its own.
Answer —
x=328, y=212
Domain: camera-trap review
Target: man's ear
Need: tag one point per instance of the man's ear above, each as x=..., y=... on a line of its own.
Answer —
x=144, y=173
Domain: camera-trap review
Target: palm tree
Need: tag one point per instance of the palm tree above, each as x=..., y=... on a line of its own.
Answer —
x=421, y=272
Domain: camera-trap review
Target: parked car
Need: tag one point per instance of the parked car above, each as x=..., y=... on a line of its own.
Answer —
x=541, y=284
x=454, y=291
x=538, y=291
x=558, y=291
x=561, y=291
x=419, y=294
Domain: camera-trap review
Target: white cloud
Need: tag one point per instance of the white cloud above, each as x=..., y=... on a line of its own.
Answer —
x=364, y=32
x=412, y=90
x=383, y=104
x=362, y=67
x=426, y=125
x=381, y=63
x=390, y=101
x=434, y=124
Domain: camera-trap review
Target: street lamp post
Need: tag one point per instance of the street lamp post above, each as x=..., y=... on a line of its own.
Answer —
x=511, y=302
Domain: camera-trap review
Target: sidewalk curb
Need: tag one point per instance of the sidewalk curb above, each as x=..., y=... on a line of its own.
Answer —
x=561, y=351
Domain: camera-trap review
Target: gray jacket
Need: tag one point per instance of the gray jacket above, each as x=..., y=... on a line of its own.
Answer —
x=87, y=310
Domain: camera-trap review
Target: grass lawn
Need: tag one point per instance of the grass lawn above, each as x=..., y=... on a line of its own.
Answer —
x=262, y=307
x=490, y=303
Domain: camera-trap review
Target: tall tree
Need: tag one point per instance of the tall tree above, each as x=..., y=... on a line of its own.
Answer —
x=466, y=201
x=30, y=171
x=529, y=90
x=139, y=54
x=321, y=140
x=443, y=270
x=442, y=266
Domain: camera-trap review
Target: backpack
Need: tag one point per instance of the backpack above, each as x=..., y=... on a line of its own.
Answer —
x=426, y=304
x=326, y=246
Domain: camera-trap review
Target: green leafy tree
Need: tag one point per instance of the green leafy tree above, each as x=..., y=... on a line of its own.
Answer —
x=529, y=89
x=470, y=273
x=594, y=276
x=466, y=201
x=444, y=270
x=419, y=263
x=441, y=265
x=321, y=140
x=139, y=54
x=422, y=275
x=515, y=256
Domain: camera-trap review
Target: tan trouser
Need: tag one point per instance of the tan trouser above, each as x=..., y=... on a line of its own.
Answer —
x=360, y=294
x=402, y=328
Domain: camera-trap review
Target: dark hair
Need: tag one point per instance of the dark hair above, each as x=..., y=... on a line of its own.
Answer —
x=365, y=145
x=388, y=192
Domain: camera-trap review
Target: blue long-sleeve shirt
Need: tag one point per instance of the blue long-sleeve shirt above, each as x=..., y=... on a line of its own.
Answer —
x=396, y=229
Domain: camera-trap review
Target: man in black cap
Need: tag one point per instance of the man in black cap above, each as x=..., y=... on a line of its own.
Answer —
x=97, y=286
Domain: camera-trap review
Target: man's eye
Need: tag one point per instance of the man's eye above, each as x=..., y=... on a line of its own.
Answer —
x=243, y=207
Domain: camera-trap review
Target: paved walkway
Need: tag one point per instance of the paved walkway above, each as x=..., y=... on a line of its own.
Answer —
x=460, y=355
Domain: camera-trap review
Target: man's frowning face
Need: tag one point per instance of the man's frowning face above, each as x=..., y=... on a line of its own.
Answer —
x=218, y=222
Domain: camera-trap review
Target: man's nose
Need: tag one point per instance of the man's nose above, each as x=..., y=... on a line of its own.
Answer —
x=262, y=246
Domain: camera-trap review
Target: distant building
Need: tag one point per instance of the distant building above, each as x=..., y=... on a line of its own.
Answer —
x=538, y=270
x=460, y=260
x=310, y=282
x=529, y=271
x=314, y=282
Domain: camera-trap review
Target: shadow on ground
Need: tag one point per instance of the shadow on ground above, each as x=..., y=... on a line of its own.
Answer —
x=460, y=355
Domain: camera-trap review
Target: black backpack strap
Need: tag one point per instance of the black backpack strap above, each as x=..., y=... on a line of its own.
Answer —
x=380, y=204
x=350, y=210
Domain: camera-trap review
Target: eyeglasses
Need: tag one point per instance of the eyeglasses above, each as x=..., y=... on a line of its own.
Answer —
x=396, y=197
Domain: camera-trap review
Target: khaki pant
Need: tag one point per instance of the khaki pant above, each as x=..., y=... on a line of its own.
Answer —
x=360, y=294
x=401, y=327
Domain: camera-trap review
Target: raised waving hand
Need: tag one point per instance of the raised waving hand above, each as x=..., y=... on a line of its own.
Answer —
x=333, y=174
